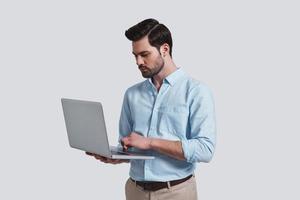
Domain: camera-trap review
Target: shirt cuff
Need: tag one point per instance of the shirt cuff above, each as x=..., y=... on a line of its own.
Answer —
x=188, y=150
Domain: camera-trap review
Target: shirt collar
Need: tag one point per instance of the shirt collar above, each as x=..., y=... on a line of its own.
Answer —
x=171, y=78
x=174, y=76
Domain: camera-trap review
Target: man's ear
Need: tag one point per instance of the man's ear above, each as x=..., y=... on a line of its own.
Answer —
x=164, y=49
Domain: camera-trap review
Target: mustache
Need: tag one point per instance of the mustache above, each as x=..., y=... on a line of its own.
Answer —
x=142, y=66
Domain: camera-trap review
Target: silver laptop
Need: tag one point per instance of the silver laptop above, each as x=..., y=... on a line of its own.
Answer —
x=87, y=131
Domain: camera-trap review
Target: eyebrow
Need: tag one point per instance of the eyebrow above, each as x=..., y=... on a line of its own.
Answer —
x=142, y=52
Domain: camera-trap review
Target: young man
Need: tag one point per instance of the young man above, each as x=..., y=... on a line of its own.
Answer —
x=170, y=115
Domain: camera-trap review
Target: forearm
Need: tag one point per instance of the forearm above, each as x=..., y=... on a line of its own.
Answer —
x=167, y=147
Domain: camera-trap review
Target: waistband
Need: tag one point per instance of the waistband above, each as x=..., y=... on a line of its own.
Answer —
x=155, y=185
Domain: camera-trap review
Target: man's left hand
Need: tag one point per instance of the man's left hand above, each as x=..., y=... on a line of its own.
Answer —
x=136, y=140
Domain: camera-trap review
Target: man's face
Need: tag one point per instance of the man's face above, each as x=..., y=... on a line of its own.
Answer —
x=148, y=58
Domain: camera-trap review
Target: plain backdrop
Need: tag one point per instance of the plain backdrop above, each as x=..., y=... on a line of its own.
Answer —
x=247, y=52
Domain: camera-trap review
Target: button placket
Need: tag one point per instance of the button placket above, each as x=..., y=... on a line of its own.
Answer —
x=157, y=102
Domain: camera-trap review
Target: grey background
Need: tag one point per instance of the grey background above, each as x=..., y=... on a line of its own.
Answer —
x=246, y=51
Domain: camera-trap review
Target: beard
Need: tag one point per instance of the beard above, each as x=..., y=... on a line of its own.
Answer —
x=158, y=66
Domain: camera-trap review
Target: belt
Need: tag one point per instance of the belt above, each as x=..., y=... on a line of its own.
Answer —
x=153, y=186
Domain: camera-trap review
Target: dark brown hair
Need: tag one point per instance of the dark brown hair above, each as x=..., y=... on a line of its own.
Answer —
x=157, y=33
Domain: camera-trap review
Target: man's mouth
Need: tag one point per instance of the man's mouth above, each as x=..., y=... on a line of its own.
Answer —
x=142, y=68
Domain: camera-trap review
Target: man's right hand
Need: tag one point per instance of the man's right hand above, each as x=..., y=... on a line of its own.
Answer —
x=107, y=160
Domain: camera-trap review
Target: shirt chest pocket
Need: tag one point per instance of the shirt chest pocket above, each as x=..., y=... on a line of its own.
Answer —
x=174, y=118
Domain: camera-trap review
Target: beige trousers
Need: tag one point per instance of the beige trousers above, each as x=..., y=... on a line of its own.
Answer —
x=183, y=191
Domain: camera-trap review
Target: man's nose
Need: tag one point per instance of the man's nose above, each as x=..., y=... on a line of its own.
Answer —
x=139, y=60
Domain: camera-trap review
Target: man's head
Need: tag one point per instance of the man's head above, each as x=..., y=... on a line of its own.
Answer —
x=151, y=44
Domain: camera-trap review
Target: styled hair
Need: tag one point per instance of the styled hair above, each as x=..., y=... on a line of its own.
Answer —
x=157, y=33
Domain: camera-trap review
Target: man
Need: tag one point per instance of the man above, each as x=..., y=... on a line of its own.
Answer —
x=170, y=115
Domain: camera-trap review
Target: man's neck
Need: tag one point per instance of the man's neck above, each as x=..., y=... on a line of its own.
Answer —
x=158, y=79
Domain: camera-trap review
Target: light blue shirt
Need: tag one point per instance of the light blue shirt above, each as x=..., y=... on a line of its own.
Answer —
x=182, y=110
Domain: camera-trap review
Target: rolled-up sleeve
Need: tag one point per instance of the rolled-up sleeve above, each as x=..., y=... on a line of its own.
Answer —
x=199, y=144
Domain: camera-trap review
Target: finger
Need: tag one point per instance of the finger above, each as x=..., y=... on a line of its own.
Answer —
x=104, y=160
x=97, y=158
x=101, y=158
x=125, y=140
x=107, y=160
x=124, y=143
x=88, y=153
x=116, y=161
